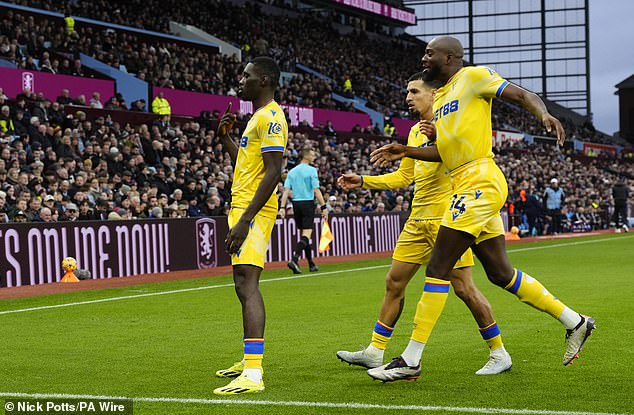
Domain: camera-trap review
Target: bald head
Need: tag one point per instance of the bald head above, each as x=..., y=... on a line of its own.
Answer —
x=448, y=45
x=443, y=58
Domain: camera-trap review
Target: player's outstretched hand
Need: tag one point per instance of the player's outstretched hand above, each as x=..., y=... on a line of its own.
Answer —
x=236, y=236
x=551, y=122
x=386, y=154
x=226, y=122
x=349, y=181
x=428, y=128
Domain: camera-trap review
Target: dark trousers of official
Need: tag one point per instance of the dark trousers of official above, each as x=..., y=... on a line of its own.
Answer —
x=555, y=214
x=620, y=214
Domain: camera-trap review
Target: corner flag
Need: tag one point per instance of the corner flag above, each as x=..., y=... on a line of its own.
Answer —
x=326, y=238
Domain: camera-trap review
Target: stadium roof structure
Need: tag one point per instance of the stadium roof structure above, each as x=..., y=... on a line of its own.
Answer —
x=542, y=45
x=627, y=83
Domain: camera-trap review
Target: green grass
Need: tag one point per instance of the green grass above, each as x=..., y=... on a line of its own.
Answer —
x=170, y=345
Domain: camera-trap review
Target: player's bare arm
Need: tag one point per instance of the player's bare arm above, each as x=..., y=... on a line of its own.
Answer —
x=392, y=152
x=224, y=128
x=284, y=201
x=273, y=174
x=349, y=181
x=536, y=106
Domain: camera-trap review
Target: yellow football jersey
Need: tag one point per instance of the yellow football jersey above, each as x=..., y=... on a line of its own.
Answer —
x=432, y=182
x=462, y=114
x=266, y=131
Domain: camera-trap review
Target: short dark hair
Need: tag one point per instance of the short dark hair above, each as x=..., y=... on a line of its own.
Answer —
x=267, y=66
x=420, y=76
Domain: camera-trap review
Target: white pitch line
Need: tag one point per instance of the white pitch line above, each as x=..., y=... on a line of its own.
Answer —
x=592, y=241
x=346, y=405
x=206, y=287
x=294, y=277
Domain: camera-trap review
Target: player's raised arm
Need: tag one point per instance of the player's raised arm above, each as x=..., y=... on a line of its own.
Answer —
x=224, y=134
x=392, y=152
x=349, y=181
x=536, y=106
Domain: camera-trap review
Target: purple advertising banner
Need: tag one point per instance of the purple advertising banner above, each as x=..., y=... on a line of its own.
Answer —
x=381, y=9
x=403, y=126
x=193, y=103
x=31, y=254
x=14, y=81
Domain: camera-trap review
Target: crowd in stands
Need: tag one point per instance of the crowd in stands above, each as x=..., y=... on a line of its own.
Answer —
x=361, y=64
x=66, y=168
x=58, y=167
x=367, y=61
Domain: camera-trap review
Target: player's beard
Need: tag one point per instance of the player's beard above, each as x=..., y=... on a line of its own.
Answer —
x=430, y=73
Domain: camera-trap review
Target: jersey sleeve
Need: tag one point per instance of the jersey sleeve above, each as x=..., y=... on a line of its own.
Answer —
x=486, y=82
x=402, y=177
x=314, y=180
x=287, y=182
x=272, y=133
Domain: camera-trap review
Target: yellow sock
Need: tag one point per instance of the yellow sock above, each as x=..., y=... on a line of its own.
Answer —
x=381, y=335
x=253, y=353
x=492, y=336
x=532, y=292
x=429, y=308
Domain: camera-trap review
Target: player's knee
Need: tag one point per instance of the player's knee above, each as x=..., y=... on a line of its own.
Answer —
x=461, y=289
x=243, y=286
x=438, y=271
x=395, y=285
x=501, y=276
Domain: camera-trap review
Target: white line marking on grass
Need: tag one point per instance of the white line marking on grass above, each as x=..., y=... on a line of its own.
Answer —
x=183, y=290
x=534, y=248
x=294, y=277
x=347, y=405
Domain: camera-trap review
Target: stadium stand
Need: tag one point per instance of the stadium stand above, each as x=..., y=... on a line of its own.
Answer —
x=62, y=155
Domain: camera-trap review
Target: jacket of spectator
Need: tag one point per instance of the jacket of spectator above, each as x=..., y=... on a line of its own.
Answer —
x=160, y=105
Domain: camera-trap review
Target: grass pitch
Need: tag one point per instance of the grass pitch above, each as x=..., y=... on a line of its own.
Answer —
x=168, y=346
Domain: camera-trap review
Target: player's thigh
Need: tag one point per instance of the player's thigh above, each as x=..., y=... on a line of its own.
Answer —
x=253, y=249
x=401, y=273
x=496, y=263
x=450, y=246
x=462, y=281
x=415, y=242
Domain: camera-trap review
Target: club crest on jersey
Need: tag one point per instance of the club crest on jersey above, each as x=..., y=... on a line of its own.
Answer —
x=274, y=128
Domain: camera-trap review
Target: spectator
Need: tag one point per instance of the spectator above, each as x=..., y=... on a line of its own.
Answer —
x=161, y=106
x=620, y=194
x=20, y=217
x=138, y=105
x=554, y=197
x=45, y=215
x=95, y=101
x=156, y=212
x=71, y=213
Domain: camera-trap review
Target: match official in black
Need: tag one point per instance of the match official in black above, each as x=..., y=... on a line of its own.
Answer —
x=302, y=180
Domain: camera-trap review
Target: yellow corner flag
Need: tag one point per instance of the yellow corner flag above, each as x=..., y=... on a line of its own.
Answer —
x=326, y=238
